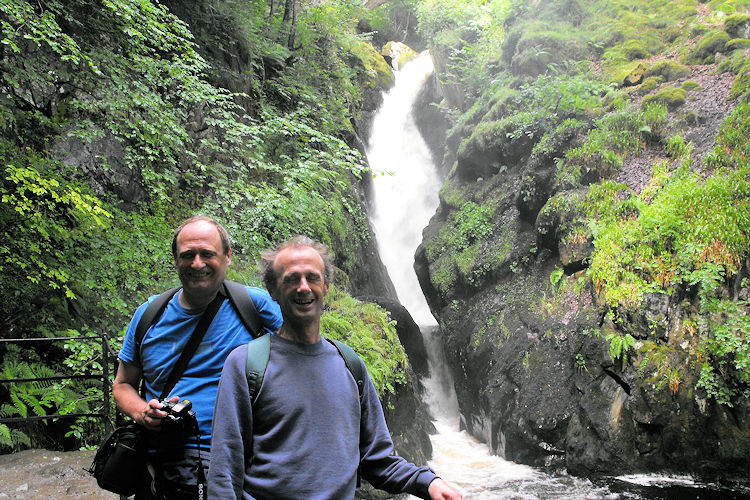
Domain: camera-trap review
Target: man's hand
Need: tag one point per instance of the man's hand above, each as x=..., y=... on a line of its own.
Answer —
x=440, y=490
x=151, y=415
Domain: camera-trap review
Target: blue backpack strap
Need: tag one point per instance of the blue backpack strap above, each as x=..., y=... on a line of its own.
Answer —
x=244, y=306
x=353, y=362
x=258, y=352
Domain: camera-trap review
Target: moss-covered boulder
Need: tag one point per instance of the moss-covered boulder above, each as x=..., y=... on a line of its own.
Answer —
x=741, y=84
x=707, y=47
x=635, y=49
x=673, y=97
x=738, y=25
x=398, y=53
x=650, y=84
x=668, y=69
x=690, y=85
x=635, y=77
x=738, y=44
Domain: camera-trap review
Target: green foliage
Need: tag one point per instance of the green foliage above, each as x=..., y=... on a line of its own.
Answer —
x=367, y=329
x=667, y=369
x=580, y=363
x=614, y=135
x=683, y=231
x=725, y=371
x=619, y=345
x=47, y=222
x=472, y=223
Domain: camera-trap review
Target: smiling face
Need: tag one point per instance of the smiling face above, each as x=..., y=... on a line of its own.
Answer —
x=201, y=263
x=300, y=289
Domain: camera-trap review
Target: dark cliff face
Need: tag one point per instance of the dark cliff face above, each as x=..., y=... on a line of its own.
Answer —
x=527, y=336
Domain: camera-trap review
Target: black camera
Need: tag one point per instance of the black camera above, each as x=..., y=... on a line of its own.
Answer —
x=180, y=416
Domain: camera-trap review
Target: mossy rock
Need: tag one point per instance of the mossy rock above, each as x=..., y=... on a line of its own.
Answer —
x=707, y=47
x=650, y=84
x=738, y=25
x=741, y=84
x=635, y=77
x=698, y=30
x=635, y=49
x=673, y=97
x=690, y=85
x=379, y=73
x=738, y=44
x=668, y=69
x=403, y=52
x=733, y=63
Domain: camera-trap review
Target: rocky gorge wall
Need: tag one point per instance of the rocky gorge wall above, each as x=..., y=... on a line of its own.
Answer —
x=526, y=340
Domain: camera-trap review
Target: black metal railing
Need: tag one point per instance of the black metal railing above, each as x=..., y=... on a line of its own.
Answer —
x=108, y=357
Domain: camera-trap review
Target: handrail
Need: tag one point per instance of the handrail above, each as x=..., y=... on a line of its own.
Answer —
x=107, y=357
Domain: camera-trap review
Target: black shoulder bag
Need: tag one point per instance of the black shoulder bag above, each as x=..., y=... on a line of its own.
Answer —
x=120, y=462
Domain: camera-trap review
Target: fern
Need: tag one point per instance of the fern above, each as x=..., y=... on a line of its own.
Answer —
x=619, y=345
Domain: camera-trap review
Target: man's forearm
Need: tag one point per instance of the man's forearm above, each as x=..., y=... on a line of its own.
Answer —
x=130, y=402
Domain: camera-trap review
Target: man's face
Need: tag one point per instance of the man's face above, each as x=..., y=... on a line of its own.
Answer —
x=300, y=285
x=201, y=263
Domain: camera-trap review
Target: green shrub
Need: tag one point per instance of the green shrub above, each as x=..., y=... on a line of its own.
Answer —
x=367, y=329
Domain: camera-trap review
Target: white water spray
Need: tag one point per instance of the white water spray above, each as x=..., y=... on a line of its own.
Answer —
x=405, y=187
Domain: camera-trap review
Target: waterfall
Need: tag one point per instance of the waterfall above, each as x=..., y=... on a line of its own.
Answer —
x=405, y=195
x=405, y=187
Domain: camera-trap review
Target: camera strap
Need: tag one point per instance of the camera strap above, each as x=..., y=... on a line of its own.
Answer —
x=192, y=345
x=187, y=354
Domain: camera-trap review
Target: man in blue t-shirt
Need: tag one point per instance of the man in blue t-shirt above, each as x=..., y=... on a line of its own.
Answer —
x=202, y=253
x=307, y=432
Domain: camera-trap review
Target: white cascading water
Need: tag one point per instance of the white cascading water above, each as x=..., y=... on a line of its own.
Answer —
x=405, y=191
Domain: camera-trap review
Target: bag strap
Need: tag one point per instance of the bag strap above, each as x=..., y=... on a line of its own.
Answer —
x=244, y=306
x=192, y=345
x=353, y=363
x=259, y=352
x=152, y=313
x=238, y=297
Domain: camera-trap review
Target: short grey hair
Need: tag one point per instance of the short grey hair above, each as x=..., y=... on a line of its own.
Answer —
x=267, y=258
x=226, y=242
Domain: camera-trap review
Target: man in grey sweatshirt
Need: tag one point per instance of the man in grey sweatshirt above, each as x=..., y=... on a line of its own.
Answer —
x=307, y=432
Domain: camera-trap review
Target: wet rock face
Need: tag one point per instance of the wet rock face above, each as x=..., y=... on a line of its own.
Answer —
x=537, y=383
x=102, y=161
x=527, y=340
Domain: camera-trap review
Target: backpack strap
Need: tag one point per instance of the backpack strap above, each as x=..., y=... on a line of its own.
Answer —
x=353, y=362
x=238, y=297
x=258, y=352
x=244, y=306
x=152, y=313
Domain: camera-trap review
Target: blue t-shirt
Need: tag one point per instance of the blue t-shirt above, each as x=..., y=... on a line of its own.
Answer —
x=164, y=341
